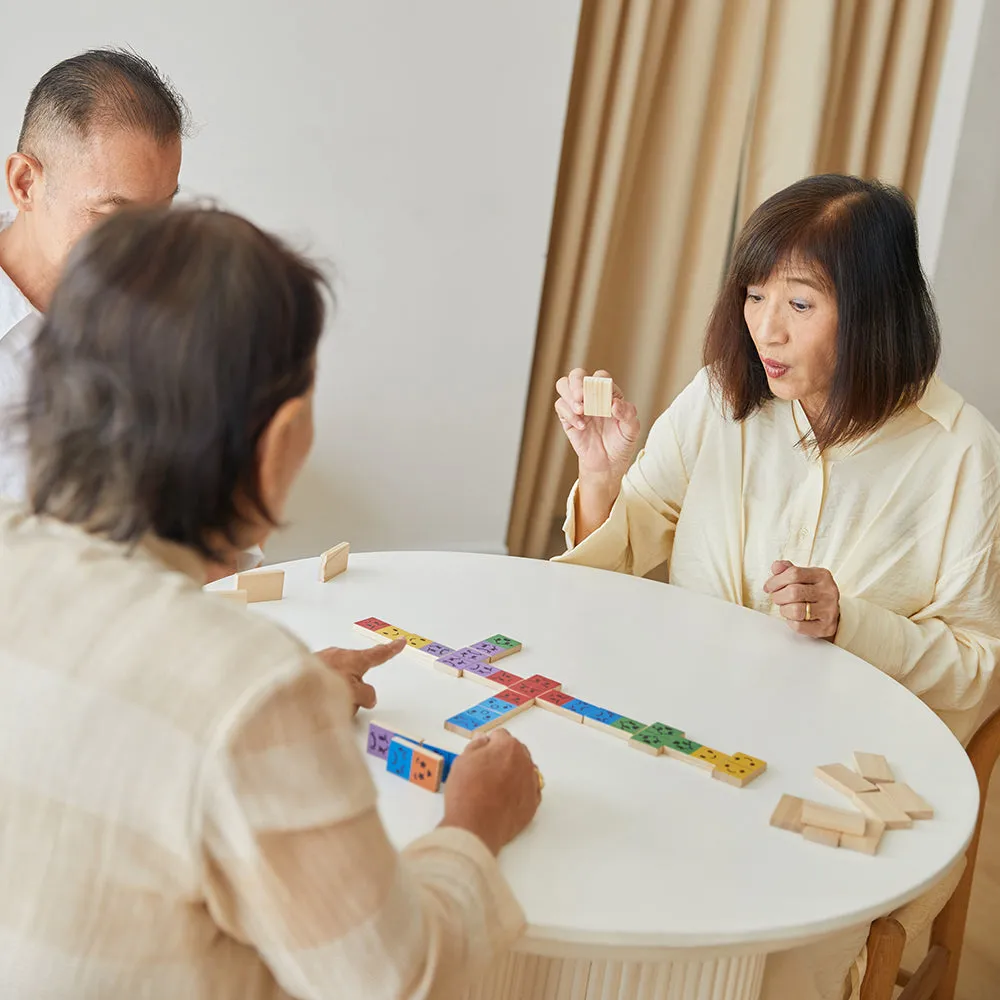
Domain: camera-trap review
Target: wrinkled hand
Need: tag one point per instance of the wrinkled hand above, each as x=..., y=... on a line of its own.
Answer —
x=353, y=664
x=793, y=587
x=604, y=445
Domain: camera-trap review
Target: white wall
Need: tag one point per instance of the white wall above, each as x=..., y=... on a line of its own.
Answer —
x=415, y=144
x=960, y=205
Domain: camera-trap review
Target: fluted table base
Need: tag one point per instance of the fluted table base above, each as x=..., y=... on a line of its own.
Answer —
x=533, y=977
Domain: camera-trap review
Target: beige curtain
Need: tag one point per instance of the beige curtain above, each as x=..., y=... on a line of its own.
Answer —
x=683, y=116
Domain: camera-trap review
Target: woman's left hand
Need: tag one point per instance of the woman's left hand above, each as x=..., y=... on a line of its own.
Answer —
x=808, y=597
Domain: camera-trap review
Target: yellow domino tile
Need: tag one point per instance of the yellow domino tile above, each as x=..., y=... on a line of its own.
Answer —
x=712, y=758
x=417, y=641
x=392, y=633
x=740, y=769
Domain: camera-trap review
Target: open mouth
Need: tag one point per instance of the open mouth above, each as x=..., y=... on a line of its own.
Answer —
x=773, y=369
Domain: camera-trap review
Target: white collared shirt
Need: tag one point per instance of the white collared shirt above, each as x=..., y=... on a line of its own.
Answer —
x=19, y=321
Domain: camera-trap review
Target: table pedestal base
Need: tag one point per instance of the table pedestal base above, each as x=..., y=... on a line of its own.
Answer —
x=533, y=977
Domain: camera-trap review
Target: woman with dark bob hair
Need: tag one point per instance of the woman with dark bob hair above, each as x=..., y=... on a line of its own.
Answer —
x=816, y=467
x=186, y=807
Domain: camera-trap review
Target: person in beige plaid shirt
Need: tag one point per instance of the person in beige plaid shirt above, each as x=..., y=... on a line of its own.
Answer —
x=184, y=808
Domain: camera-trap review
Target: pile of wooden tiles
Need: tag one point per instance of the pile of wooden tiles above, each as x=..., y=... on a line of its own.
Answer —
x=882, y=804
x=515, y=694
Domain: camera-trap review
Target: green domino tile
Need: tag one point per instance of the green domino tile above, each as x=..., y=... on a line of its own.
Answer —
x=650, y=739
x=662, y=729
x=503, y=641
x=627, y=725
x=681, y=744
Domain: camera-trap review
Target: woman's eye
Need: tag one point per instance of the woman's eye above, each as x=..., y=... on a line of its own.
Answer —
x=754, y=297
x=799, y=306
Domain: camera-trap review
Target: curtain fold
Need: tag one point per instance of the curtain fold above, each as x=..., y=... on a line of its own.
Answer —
x=683, y=116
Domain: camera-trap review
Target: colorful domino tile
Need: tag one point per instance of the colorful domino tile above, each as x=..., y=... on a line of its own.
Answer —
x=433, y=650
x=625, y=728
x=500, y=680
x=448, y=756
x=370, y=627
x=427, y=769
x=390, y=633
x=417, y=641
x=488, y=651
x=450, y=664
x=476, y=670
x=740, y=769
x=536, y=684
x=508, y=645
x=559, y=703
x=399, y=760
x=379, y=739
x=680, y=747
x=470, y=654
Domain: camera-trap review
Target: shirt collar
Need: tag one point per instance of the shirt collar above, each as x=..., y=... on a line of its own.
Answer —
x=941, y=403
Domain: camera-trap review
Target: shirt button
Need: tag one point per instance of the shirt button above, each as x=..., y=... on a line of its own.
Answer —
x=803, y=533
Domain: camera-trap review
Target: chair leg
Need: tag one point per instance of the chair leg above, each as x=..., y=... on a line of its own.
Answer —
x=886, y=941
x=948, y=929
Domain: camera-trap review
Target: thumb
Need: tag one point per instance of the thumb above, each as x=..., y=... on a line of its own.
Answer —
x=780, y=566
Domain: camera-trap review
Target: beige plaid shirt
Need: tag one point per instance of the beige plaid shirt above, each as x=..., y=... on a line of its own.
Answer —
x=184, y=808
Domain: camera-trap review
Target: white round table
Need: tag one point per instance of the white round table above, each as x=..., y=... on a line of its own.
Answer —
x=642, y=877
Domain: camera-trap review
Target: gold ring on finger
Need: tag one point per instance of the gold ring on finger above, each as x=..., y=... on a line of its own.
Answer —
x=809, y=612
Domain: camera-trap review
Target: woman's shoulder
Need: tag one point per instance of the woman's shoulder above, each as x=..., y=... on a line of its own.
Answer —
x=965, y=427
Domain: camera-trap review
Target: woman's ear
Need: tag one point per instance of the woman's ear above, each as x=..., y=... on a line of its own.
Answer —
x=282, y=451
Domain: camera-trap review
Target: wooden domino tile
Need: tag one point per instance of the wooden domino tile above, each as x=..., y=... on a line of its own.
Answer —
x=417, y=641
x=647, y=742
x=399, y=760
x=704, y=758
x=599, y=718
x=878, y=805
x=740, y=769
x=515, y=698
x=333, y=562
x=625, y=728
x=432, y=651
x=843, y=779
x=820, y=835
x=873, y=767
x=488, y=652
x=907, y=799
x=829, y=818
x=231, y=596
x=559, y=704
x=597, y=396
x=787, y=814
x=868, y=842
x=508, y=709
x=371, y=627
x=450, y=664
x=479, y=672
x=390, y=633
x=465, y=725
x=381, y=735
x=680, y=748
x=262, y=585
x=507, y=645
x=470, y=654
x=427, y=769
x=536, y=684
x=448, y=756
x=499, y=680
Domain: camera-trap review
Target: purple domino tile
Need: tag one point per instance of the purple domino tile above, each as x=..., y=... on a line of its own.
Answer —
x=437, y=650
x=379, y=739
x=470, y=653
x=454, y=660
x=487, y=650
x=479, y=668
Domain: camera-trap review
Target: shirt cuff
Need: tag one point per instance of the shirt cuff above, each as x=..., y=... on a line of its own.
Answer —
x=604, y=548
x=501, y=908
x=871, y=633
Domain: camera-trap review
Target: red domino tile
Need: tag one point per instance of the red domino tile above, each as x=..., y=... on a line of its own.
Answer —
x=505, y=678
x=536, y=685
x=372, y=624
x=513, y=697
x=554, y=697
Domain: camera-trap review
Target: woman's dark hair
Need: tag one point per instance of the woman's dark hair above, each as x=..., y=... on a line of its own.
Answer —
x=859, y=237
x=172, y=340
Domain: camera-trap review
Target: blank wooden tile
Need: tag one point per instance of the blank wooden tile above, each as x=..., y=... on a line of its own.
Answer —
x=828, y=818
x=787, y=814
x=907, y=799
x=843, y=779
x=333, y=562
x=829, y=838
x=234, y=596
x=872, y=766
x=262, y=585
x=878, y=805
x=868, y=842
x=597, y=395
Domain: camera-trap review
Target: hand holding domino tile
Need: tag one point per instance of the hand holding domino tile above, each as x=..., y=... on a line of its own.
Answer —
x=493, y=790
x=604, y=434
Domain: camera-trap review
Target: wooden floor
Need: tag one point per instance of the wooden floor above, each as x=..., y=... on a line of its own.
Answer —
x=979, y=976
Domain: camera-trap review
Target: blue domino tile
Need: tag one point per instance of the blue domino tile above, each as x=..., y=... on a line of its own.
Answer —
x=498, y=706
x=466, y=721
x=484, y=712
x=581, y=707
x=604, y=715
x=449, y=759
x=400, y=760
